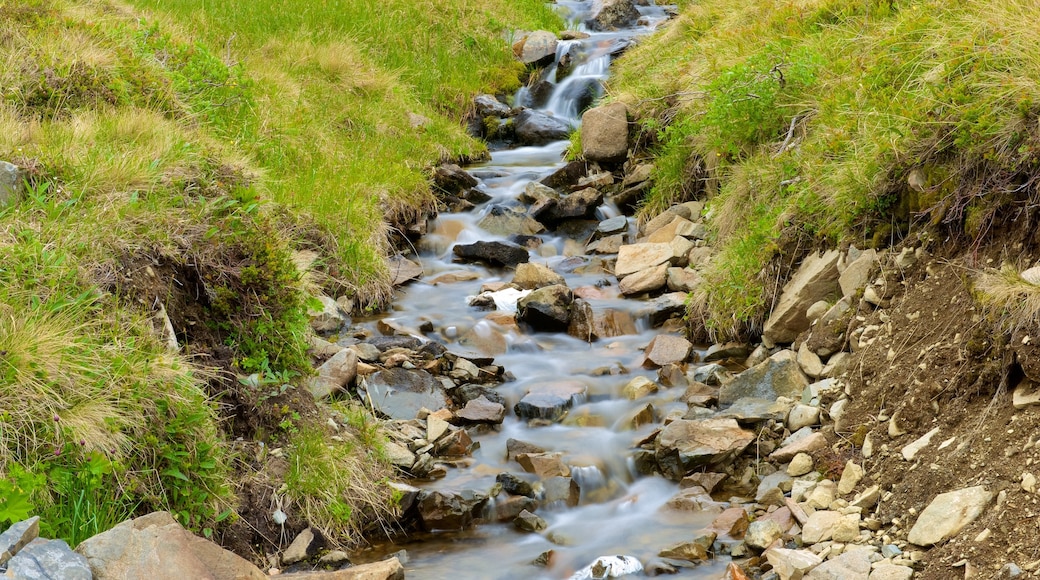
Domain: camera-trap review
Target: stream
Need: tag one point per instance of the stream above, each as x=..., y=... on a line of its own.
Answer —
x=620, y=511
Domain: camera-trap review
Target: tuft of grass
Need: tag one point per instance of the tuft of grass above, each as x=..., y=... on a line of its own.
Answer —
x=1009, y=297
x=852, y=123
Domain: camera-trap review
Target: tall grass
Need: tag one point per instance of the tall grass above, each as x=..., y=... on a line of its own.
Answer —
x=816, y=112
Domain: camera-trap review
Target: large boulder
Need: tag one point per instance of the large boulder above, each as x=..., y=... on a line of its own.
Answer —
x=546, y=308
x=604, y=133
x=400, y=393
x=777, y=376
x=815, y=280
x=535, y=128
x=155, y=546
x=494, y=253
x=948, y=514
x=612, y=14
x=580, y=204
x=683, y=446
x=538, y=47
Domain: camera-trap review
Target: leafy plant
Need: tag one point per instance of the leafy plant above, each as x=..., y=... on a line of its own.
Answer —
x=16, y=492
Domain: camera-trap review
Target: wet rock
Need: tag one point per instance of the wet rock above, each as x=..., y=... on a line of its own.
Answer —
x=546, y=309
x=708, y=481
x=481, y=410
x=515, y=447
x=529, y=522
x=685, y=445
x=581, y=324
x=694, y=499
x=400, y=393
x=489, y=106
x=48, y=560
x=816, y=279
x=506, y=509
x=638, y=257
x=449, y=510
x=484, y=338
x=638, y=387
x=610, y=322
x=948, y=513
x=550, y=401
x=544, y=464
x=733, y=522
x=566, y=176
x=578, y=205
x=792, y=564
x=514, y=485
x=454, y=444
x=647, y=280
x=507, y=221
x=560, y=489
x=604, y=133
x=152, y=545
x=693, y=551
x=667, y=349
x=334, y=375
x=535, y=128
x=609, y=567
x=613, y=14
x=402, y=270
x=636, y=418
x=762, y=533
x=663, y=308
x=10, y=184
x=533, y=275
x=328, y=318
x=777, y=376
x=537, y=48
x=17, y=536
x=853, y=565
x=494, y=253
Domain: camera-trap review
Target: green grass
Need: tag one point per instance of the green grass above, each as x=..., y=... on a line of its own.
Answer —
x=177, y=156
x=806, y=119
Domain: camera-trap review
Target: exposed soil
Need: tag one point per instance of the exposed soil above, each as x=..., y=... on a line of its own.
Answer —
x=938, y=361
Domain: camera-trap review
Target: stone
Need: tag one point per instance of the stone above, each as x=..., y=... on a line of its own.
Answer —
x=403, y=270
x=529, y=522
x=560, y=489
x=1031, y=275
x=638, y=174
x=399, y=455
x=607, y=245
x=544, y=464
x=724, y=351
x=867, y=499
x=328, y=318
x=494, y=253
x=800, y=465
x=17, y=536
x=638, y=257
x=507, y=221
x=851, y=565
x=609, y=567
x=1026, y=394
x=536, y=48
x=694, y=499
x=612, y=322
x=948, y=513
x=777, y=479
x=682, y=279
x=663, y=308
x=604, y=133
x=822, y=495
x=892, y=572
x=532, y=275
x=847, y=529
x=857, y=273
x=681, y=248
x=547, y=308
x=481, y=410
x=732, y=522
x=449, y=510
x=708, y=481
x=484, y=338
x=489, y=106
x=536, y=128
x=436, y=427
x=152, y=545
x=638, y=388
x=613, y=14
x=615, y=225
x=647, y=280
x=10, y=184
x=391, y=569
x=692, y=551
x=813, y=442
x=777, y=376
x=334, y=375
x=684, y=445
x=792, y=564
x=515, y=447
x=45, y=559
x=809, y=361
x=816, y=279
x=910, y=451
x=762, y=533
x=305, y=545
x=400, y=393
x=667, y=349
x=803, y=416
x=850, y=477
x=677, y=227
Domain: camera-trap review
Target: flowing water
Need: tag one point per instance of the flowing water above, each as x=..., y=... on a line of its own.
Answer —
x=620, y=512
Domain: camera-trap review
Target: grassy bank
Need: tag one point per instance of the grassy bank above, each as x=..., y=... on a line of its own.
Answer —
x=824, y=122
x=176, y=158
